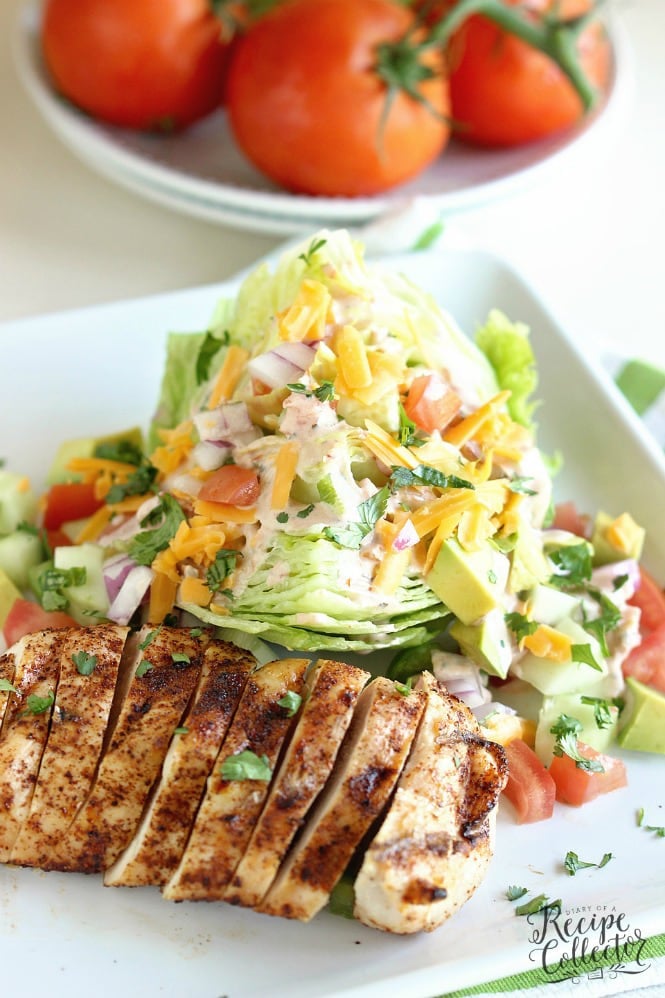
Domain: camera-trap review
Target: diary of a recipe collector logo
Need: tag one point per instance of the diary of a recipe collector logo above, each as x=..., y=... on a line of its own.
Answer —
x=585, y=941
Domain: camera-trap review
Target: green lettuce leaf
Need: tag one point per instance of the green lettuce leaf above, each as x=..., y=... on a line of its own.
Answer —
x=506, y=345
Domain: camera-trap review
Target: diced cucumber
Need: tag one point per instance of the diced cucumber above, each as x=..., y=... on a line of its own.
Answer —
x=18, y=503
x=89, y=600
x=571, y=704
x=548, y=605
x=19, y=552
x=553, y=678
x=8, y=595
x=34, y=577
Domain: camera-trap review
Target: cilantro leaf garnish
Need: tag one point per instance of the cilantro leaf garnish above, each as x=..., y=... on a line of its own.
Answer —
x=584, y=654
x=658, y=829
x=407, y=430
x=566, y=744
x=520, y=625
x=314, y=247
x=182, y=730
x=39, y=705
x=142, y=668
x=601, y=710
x=423, y=474
x=536, y=904
x=619, y=581
x=149, y=638
x=123, y=451
x=208, y=350
x=302, y=514
x=514, y=892
x=138, y=483
x=282, y=517
x=573, y=562
x=404, y=688
x=324, y=393
x=518, y=484
x=370, y=512
x=246, y=765
x=85, y=663
x=566, y=725
x=290, y=702
x=221, y=568
x=161, y=524
x=52, y=581
x=573, y=863
x=607, y=620
x=6, y=686
x=180, y=658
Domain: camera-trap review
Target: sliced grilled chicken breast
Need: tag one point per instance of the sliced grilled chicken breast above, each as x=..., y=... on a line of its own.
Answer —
x=89, y=662
x=7, y=670
x=163, y=679
x=367, y=768
x=435, y=842
x=331, y=694
x=156, y=849
x=25, y=729
x=231, y=806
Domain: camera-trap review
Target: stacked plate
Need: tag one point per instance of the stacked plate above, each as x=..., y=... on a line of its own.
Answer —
x=201, y=172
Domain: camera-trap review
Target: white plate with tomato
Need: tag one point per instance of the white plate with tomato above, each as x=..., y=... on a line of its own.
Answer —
x=69, y=930
x=201, y=170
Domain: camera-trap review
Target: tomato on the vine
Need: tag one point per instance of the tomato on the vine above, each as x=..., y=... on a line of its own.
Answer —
x=136, y=63
x=504, y=92
x=312, y=103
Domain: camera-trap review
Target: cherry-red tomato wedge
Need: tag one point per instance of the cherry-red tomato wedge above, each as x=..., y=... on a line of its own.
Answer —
x=430, y=403
x=26, y=617
x=647, y=662
x=232, y=485
x=577, y=786
x=307, y=104
x=530, y=788
x=650, y=598
x=70, y=501
x=567, y=517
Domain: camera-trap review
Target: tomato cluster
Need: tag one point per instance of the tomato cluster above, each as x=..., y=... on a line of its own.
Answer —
x=329, y=97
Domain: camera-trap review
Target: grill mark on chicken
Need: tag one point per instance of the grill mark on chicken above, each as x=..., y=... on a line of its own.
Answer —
x=362, y=780
x=331, y=694
x=78, y=724
x=155, y=851
x=24, y=733
x=152, y=709
x=230, y=808
x=435, y=841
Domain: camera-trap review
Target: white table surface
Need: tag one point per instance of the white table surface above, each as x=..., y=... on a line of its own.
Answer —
x=589, y=236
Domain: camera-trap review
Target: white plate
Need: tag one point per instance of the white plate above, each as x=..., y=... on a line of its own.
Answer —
x=98, y=369
x=201, y=172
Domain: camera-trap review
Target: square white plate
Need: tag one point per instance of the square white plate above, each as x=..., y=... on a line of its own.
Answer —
x=97, y=370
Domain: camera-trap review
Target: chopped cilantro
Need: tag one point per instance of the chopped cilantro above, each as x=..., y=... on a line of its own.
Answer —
x=85, y=663
x=607, y=620
x=536, y=904
x=223, y=565
x=143, y=667
x=619, y=581
x=138, y=483
x=123, y=451
x=404, y=688
x=302, y=514
x=6, y=686
x=282, y=517
x=39, y=705
x=290, y=702
x=370, y=511
x=574, y=564
x=658, y=829
x=407, y=430
x=573, y=863
x=182, y=730
x=196, y=632
x=520, y=625
x=324, y=393
x=161, y=524
x=566, y=744
x=601, y=710
x=514, y=892
x=149, y=638
x=584, y=654
x=518, y=484
x=246, y=765
x=179, y=658
x=423, y=474
x=312, y=249
x=52, y=581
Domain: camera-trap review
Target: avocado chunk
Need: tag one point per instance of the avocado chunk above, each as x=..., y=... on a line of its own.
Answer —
x=8, y=595
x=548, y=605
x=86, y=447
x=486, y=643
x=616, y=538
x=469, y=583
x=643, y=719
x=18, y=503
x=528, y=564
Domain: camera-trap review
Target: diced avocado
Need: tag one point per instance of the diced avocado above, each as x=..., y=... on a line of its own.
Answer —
x=553, y=678
x=616, y=538
x=19, y=552
x=548, y=605
x=486, y=643
x=469, y=583
x=8, y=595
x=89, y=600
x=643, y=718
x=86, y=447
x=571, y=704
x=528, y=564
x=18, y=502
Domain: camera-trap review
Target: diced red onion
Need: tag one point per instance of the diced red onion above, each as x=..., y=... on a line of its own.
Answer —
x=461, y=677
x=407, y=537
x=210, y=454
x=115, y=571
x=492, y=707
x=225, y=422
x=282, y=365
x=297, y=353
x=603, y=577
x=131, y=594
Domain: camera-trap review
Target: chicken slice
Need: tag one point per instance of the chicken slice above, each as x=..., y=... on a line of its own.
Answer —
x=331, y=694
x=435, y=842
x=89, y=663
x=367, y=768
x=163, y=677
x=7, y=670
x=25, y=729
x=156, y=849
x=231, y=806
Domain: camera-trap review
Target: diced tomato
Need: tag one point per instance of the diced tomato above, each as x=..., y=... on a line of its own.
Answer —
x=26, y=617
x=58, y=539
x=576, y=786
x=431, y=403
x=566, y=517
x=232, y=485
x=530, y=788
x=647, y=662
x=70, y=501
x=650, y=598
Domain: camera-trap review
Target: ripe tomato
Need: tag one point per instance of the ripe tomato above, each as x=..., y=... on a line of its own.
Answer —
x=647, y=661
x=26, y=617
x=530, y=788
x=505, y=92
x=566, y=517
x=70, y=501
x=232, y=485
x=136, y=63
x=650, y=598
x=431, y=404
x=575, y=786
x=307, y=104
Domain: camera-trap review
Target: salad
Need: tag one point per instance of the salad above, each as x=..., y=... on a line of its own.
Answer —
x=334, y=466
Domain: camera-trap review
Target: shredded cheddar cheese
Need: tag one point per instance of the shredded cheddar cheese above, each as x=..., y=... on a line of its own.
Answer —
x=306, y=318
x=467, y=428
x=221, y=512
x=285, y=471
x=546, y=642
x=194, y=590
x=178, y=443
x=354, y=366
x=229, y=375
x=386, y=448
x=162, y=597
